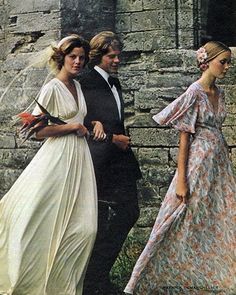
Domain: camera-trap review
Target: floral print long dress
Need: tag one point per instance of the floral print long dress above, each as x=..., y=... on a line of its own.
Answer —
x=191, y=249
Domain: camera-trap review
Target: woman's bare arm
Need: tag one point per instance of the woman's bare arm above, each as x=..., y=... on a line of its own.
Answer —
x=60, y=130
x=182, y=185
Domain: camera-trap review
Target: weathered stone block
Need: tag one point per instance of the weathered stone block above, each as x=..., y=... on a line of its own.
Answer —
x=173, y=157
x=158, y=137
x=153, y=156
x=87, y=17
x=168, y=58
x=186, y=38
x=3, y=16
x=163, y=39
x=35, y=78
x=7, y=178
x=28, y=144
x=29, y=43
x=15, y=62
x=158, y=4
x=185, y=4
x=3, y=51
x=48, y=38
x=13, y=102
x=8, y=76
x=167, y=80
x=230, y=119
x=147, y=41
x=136, y=63
x=157, y=176
x=132, y=80
x=16, y=158
x=27, y=6
x=123, y=23
x=132, y=41
x=35, y=22
x=148, y=194
x=158, y=98
x=153, y=20
x=233, y=158
x=7, y=140
x=230, y=134
x=185, y=19
x=128, y=5
x=141, y=120
x=230, y=95
x=128, y=96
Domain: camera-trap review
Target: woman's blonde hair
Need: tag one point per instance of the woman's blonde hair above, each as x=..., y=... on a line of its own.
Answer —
x=215, y=48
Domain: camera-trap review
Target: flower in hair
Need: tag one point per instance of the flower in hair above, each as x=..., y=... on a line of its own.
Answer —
x=201, y=55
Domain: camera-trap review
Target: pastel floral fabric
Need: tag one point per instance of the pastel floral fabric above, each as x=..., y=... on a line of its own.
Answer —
x=191, y=249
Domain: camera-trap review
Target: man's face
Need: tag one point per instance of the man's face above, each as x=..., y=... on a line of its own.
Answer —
x=110, y=61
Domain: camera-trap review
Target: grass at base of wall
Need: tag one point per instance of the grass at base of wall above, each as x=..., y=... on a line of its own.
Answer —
x=124, y=264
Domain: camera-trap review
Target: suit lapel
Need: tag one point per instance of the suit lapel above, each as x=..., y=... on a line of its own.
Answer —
x=100, y=82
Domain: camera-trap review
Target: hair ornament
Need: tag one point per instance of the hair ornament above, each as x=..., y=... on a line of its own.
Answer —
x=202, y=55
x=65, y=39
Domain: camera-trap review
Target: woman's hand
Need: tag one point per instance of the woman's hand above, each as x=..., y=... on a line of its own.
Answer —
x=98, y=131
x=182, y=191
x=80, y=129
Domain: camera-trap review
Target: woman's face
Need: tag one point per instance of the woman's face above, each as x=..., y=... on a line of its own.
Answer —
x=74, y=61
x=220, y=64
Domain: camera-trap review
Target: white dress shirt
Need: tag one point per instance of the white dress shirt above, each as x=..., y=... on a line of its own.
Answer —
x=105, y=75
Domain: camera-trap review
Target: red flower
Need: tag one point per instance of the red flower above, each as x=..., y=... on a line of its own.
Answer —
x=26, y=118
x=32, y=124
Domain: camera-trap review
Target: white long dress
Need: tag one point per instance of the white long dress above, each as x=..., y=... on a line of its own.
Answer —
x=48, y=219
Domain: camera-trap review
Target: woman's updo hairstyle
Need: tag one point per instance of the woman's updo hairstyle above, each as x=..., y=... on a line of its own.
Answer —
x=208, y=52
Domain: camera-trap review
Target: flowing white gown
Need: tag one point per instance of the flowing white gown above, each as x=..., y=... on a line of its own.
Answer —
x=48, y=219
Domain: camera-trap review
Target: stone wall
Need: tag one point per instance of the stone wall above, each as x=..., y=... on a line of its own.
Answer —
x=26, y=28
x=158, y=64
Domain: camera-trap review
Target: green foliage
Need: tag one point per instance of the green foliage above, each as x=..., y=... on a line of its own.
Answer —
x=129, y=254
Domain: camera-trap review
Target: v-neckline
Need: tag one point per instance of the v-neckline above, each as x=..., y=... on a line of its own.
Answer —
x=74, y=99
x=214, y=111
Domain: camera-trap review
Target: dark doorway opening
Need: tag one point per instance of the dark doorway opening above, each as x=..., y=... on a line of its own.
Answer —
x=221, y=22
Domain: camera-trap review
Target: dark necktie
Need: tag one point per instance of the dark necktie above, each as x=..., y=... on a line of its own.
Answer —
x=112, y=81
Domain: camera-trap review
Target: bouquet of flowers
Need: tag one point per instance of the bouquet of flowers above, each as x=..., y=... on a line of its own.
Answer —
x=33, y=123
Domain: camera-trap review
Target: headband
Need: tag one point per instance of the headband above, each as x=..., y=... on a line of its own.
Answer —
x=63, y=40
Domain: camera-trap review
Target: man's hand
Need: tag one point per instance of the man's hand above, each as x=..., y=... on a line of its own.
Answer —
x=122, y=141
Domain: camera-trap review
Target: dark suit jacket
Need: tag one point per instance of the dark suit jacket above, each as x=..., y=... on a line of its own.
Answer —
x=116, y=170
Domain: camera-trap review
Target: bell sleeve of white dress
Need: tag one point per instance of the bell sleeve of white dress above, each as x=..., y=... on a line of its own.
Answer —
x=181, y=113
x=47, y=99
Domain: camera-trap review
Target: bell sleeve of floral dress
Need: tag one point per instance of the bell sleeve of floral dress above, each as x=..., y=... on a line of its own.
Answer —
x=181, y=113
